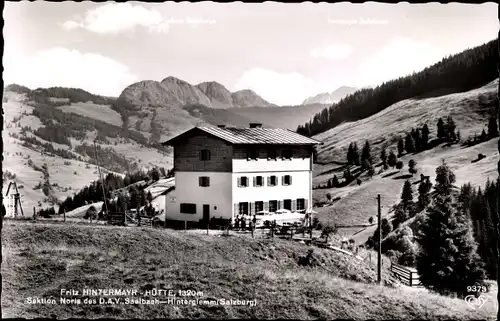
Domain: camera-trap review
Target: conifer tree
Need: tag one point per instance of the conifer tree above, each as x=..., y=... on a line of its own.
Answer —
x=409, y=143
x=424, y=189
x=425, y=136
x=448, y=261
x=401, y=147
x=350, y=158
x=492, y=127
x=412, y=166
x=450, y=129
x=366, y=157
x=407, y=195
x=483, y=136
x=441, y=131
x=383, y=155
x=392, y=159
x=355, y=155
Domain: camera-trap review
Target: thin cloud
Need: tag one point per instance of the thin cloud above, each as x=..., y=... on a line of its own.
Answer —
x=278, y=88
x=115, y=18
x=335, y=51
x=400, y=57
x=69, y=68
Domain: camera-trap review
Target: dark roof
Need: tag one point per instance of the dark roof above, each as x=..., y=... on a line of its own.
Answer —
x=274, y=136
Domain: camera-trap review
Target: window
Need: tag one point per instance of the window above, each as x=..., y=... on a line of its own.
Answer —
x=272, y=181
x=188, y=208
x=259, y=206
x=253, y=153
x=273, y=206
x=286, y=154
x=287, y=204
x=243, y=208
x=301, y=204
x=205, y=155
x=286, y=180
x=258, y=181
x=204, y=181
x=271, y=154
x=243, y=181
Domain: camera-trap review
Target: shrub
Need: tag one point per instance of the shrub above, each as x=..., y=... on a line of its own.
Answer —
x=399, y=165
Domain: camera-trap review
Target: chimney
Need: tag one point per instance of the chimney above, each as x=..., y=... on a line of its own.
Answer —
x=255, y=125
x=221, y=126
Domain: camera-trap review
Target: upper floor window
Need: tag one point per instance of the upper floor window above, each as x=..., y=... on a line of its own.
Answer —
x=258, y=181
x=286, y=154
x=204, y=181
x=272, y=180
x=243, y=181
x=271, y=154
x=205, y=155
x=287, y=180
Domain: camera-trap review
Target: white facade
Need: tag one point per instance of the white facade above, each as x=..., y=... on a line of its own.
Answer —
x=188, y=191
x=224, y=193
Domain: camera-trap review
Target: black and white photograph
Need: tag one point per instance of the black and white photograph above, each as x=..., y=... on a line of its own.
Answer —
x=271, y=160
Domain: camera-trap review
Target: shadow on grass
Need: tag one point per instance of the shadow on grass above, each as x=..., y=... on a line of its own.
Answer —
x=390, y=174
x=405, y=176
x=478, y=159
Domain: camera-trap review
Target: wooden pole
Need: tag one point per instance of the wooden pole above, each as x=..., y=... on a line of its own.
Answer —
x=207, y=228
x=34, y=213
x=379, y=263
x=185, y=226
x=64, y=215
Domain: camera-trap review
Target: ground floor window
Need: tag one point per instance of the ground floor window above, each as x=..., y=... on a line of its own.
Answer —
x=273, y=206
x=243, y=208
x=287, y=204
x=259, y=206
x=301, y=204
x=188, y=208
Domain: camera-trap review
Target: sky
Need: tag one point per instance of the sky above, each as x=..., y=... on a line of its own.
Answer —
x=284, y=52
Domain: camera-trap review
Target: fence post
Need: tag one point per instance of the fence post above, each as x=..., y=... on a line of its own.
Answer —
x=34, y=213
x=411, y=278
x=185, y=226
x=64, y=217
x=207, y=228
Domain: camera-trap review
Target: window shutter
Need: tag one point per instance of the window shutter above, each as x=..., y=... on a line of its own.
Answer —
x=254, y=181
x=239, y=181
x=290, y=179
x=283, y=180
x=269, y=181
x=266, y=206
x=280, y=205
x=305, y=204
x=252, y=208
x=235, y=209
x=208, y=181
x=294, y=205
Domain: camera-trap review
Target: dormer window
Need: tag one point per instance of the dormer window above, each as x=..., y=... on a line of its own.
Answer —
x=287, y=154
x=253, y=154
x=271, y=154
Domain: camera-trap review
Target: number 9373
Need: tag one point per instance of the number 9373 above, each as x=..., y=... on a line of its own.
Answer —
x=477, y=288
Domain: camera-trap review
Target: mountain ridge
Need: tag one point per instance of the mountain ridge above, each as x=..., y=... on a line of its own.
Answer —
x=328, y=98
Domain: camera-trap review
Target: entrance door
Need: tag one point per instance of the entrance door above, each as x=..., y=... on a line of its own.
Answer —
x=206, y=213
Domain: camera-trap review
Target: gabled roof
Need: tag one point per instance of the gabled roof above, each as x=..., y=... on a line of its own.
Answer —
x=233, y=135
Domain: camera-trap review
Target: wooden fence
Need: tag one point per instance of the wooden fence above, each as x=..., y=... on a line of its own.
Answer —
x=116, y=219
x=407, y=276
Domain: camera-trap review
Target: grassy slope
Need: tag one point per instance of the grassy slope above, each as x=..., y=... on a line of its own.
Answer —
x=358, y=203
x=288, y=116
x=91, y=110
x=40, y=259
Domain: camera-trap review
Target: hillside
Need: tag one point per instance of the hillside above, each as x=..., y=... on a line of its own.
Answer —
x=76, y=257
x=470, y=111
x=462, y=72
x=330, y=98
x=287, y=116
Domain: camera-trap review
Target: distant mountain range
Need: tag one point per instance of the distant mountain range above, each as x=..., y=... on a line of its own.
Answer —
x=330, y=98
x=178, y=93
